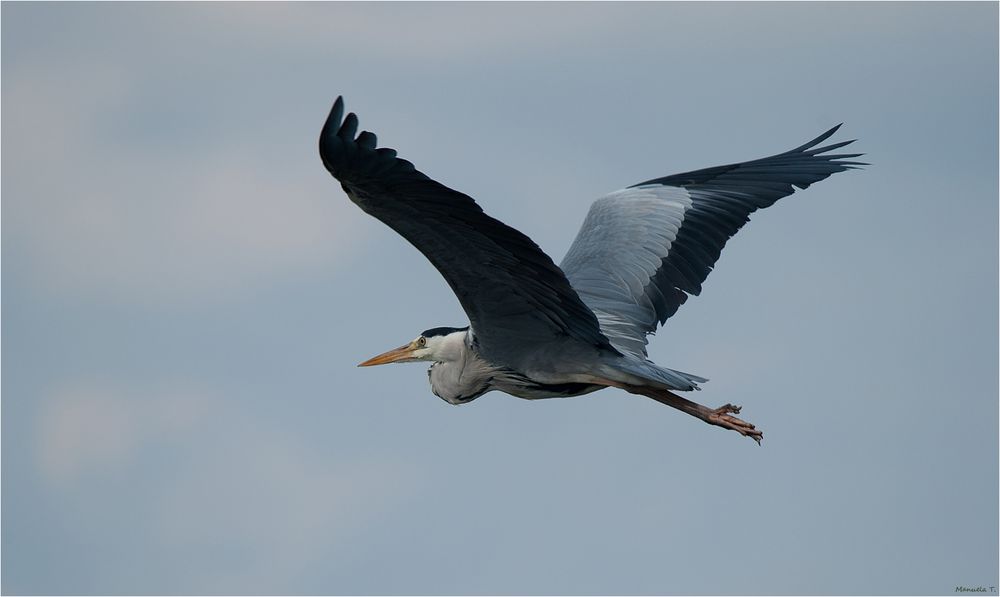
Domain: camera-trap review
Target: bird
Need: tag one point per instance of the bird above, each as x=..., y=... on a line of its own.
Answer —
x=537, y=330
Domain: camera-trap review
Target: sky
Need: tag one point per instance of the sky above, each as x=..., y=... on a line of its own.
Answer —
x=186, y=293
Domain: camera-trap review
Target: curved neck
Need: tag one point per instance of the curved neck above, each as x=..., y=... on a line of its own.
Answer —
x=458, y=374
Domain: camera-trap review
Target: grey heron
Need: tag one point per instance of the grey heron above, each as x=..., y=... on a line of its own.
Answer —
x=537, y=330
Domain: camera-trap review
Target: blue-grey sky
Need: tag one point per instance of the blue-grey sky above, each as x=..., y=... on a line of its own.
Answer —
x=186, y=293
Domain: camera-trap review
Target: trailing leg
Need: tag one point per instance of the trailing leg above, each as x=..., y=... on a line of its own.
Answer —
x=721, y=417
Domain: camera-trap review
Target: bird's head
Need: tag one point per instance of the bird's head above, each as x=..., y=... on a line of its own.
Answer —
x=436, y=344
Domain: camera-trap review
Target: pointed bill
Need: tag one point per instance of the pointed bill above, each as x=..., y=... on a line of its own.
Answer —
x=402, y=354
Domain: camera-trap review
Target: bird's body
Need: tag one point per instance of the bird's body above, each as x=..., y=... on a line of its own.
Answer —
x=459, y=374
x=539, y=330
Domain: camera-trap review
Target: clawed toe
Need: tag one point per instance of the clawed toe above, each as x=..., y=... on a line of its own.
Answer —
x=722, y=417
x=728, y=409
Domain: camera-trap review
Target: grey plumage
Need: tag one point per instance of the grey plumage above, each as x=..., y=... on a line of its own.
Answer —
x=538, y=330
x=642, y=250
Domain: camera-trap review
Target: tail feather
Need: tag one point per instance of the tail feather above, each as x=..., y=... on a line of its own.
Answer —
x=659, y=376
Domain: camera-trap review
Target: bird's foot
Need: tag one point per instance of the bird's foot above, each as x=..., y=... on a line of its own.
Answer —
x=723, y=417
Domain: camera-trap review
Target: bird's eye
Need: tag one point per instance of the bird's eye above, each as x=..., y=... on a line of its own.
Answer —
x=421, y=342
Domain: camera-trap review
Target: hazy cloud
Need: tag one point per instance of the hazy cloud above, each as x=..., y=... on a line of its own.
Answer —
x=86, y=429
x=100, y=214
x=246, y=490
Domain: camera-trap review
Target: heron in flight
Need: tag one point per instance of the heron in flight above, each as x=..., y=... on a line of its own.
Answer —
x=538, y=330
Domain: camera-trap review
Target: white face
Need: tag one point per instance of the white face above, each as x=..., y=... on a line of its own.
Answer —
x=433, y=348
x=423, y=348
x=438, y=348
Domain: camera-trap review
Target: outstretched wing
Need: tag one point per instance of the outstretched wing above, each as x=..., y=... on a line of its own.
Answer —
x=643, y=250
x=515, y=296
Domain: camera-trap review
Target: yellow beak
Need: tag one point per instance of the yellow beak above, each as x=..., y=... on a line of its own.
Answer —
x=396, y=355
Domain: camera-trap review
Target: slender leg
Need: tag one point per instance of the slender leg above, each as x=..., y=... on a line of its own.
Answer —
x=721, y=417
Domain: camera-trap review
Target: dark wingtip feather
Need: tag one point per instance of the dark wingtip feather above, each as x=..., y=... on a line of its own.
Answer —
x=842, y=156
x=349, y=128
x=338, y=107
x=367, y=140
x=818, y=140
x=330, y=145
x=333, y=120
x=830, y=147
